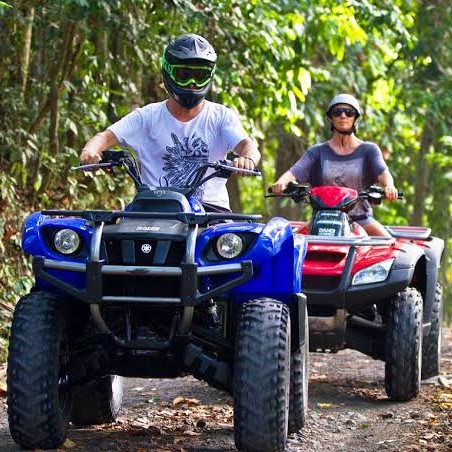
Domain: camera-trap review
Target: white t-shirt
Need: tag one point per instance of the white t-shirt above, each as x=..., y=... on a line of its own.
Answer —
x=170, y=150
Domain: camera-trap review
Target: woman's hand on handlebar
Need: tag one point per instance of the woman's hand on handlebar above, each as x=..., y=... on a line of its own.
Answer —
x=391, y=192
x=281, y=184
x=277, y=187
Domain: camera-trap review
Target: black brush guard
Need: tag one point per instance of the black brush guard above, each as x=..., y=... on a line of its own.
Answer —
x=187, y=272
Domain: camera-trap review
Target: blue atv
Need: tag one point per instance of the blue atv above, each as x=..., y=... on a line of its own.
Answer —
x=161, y=289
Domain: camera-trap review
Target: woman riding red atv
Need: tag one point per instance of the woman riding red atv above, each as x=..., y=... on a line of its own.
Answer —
x=344, y=161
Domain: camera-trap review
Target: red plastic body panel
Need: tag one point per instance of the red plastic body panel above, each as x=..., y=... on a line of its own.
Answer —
x=330, y=259
x=333, y=196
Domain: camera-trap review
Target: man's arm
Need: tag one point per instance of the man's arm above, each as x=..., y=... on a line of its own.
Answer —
x=387, y=182
x=92, y=151
x=248, y=154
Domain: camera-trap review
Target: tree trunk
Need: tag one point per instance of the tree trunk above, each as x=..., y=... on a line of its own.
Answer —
x=234, y=194
x=113, y=85
x=421, y=182
x=29, y=14
x=290, y=149
x=61, y=70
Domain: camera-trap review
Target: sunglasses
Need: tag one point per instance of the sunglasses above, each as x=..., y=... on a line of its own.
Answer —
x=184, y=75
x=349, y=112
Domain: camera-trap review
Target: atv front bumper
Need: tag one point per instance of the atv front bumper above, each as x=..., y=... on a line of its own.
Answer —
x=341, y=294
x=186, y=276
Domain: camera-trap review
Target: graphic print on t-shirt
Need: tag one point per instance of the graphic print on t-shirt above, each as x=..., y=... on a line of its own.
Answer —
x=344, y=174
x=182, y=160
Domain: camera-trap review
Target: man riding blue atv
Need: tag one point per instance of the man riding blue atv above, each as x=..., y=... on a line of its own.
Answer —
x=128, y=293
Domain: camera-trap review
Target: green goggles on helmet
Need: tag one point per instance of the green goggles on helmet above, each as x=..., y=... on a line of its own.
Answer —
x=184, y=75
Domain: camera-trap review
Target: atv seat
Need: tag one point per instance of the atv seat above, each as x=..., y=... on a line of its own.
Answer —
x=159, y=200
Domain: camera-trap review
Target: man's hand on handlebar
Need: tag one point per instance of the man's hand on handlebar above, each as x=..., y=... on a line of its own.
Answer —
x=89, y=156
x=246, y=163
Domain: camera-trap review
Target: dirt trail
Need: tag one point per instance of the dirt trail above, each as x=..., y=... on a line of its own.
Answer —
x=348, y=411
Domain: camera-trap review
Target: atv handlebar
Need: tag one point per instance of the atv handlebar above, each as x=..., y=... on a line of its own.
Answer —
x=375, y=194
x=92, y=166
x=110, y=159
x=227, y=165
x=298, y=192
x=301, y=192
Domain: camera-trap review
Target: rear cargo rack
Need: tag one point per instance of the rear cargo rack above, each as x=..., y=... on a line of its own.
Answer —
x=409, y=232
x=350, y=241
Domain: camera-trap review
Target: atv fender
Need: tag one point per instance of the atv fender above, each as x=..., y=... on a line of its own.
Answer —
x=298, y=311
x=433, y=252
x=407, y=259
x=277, y=256
x=278, y=237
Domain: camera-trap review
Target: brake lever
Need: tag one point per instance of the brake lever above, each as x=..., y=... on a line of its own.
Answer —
x=226, y=165
x=276, y=195
x=92, y=166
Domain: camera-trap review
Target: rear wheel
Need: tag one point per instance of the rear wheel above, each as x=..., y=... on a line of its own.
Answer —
x=262, y=377
x=431, y=345
x=39, y=399
x=98, y=402
x=298, y=400
x=404, y=345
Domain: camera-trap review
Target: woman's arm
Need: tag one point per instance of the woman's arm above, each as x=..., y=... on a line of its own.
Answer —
x=281, y=184
x=386, y=180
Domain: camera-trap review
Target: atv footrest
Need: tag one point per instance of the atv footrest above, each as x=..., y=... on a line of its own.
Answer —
x=327, y=333
x=204, y=367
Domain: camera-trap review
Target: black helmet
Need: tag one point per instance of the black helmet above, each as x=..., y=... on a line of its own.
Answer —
x=344, y=99
x=186, y=60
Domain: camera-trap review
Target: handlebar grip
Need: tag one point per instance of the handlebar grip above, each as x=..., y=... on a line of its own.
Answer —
x=270, y=190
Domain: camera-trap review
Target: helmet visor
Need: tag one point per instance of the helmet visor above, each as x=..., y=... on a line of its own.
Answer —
x=184, y=75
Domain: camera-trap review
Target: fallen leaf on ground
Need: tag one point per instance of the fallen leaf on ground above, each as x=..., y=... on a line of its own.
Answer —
x=68, y=444
x=185, y=401
x=326, y=405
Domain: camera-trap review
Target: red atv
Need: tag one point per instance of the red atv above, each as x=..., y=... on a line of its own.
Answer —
x=378, y=295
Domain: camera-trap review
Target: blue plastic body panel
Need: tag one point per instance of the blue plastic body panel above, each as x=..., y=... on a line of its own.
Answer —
x=33, y=243
x=277, y=255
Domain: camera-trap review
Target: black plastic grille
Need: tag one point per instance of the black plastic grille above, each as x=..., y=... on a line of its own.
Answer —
x=143, y=252
x=133, y=252
x=321, y=282
x=145, y=286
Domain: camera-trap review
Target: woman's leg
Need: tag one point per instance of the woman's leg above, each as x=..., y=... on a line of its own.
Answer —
x=376, y=228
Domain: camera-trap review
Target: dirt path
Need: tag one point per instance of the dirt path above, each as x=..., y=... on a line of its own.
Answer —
x=348, y=411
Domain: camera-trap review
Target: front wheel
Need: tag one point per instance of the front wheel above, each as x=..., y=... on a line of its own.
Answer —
x=98, y=402
x=39, y=399
x=262, y=377
x=431, y=345
x=403, y=346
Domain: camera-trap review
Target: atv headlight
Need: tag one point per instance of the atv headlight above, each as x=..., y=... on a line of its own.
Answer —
x=229, y=245
x=373, y=274
x=66, y=241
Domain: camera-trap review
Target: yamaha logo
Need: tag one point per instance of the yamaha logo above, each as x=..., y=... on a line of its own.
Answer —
x=146, y=248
